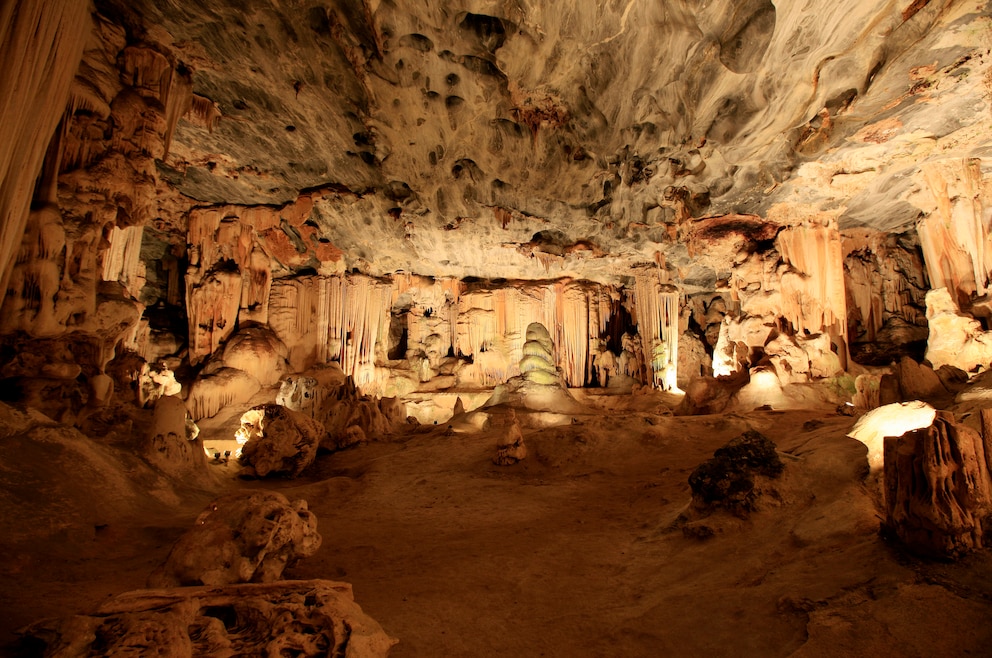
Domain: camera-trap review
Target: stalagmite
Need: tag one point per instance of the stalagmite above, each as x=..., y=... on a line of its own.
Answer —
x=938, y=492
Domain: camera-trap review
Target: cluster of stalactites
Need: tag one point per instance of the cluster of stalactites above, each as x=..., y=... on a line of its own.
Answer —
x=955, y=235
x=492, y=323
x=346, y=318
x=332, y=318
x=881, y=283
x=122, y=260
x=656, y=306
x=814, y=297
x=40, y=46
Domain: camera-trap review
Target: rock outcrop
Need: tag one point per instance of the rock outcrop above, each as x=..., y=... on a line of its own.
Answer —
x=510, y=447
x=307, y=618
x=277, y=441
x=938, y=491
x=241, y=538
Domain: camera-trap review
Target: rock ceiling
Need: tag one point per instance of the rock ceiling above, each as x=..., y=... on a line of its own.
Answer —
x=576, y=138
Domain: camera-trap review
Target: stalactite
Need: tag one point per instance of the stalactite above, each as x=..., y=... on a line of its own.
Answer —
x=203, y=112
x=570, y=321
x=41, y=44
x=220, y=265
x=255, y=286
x=151, y=72
x=212, y=306
x=122, y=260
x=864, y=286
x=657, y=307
x=955, y=233
x=363, y=319
x=495, y=321
x=884, y=280
x=813, y=292
x=433, y=312
x=333, y=318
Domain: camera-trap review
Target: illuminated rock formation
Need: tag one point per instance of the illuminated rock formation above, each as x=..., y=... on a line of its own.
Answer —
x=954, y=234
x=41, y=46
x=537, y=365
x=172, y=444
x=365, y=211
x=955, y=339
x=277, y=441
x=214, y=391
x=889, y=420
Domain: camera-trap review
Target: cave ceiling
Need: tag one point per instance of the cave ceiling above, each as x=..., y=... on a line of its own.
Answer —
x=581, y=138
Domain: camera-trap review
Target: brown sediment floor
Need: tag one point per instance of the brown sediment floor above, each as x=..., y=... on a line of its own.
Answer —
x=572, y=552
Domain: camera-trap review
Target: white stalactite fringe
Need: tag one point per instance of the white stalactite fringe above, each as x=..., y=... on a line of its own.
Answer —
x=347, y=319
x=41, y=44
x=814, y=297
x=657, y=316
x=955, y=236
x=333, y=318
x=363, y=318
x=122, y=261
x=492, y=324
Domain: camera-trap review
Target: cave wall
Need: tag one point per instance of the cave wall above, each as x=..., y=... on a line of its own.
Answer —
x=124, y=252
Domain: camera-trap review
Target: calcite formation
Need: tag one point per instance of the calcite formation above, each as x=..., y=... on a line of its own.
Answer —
x=276, y=440
x=955, y=339
x=341, y=209
x=241, y=538
x=510, y=447
x=303, y=617
x=345, y=415
x=172, y=442
x=538, y=363
x=938, y=491
x=342, y=217
x=890, y=420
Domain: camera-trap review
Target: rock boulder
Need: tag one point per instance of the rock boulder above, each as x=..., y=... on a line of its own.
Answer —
x=241, y=538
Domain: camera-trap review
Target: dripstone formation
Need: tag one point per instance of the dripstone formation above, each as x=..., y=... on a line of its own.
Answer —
x=300, y=236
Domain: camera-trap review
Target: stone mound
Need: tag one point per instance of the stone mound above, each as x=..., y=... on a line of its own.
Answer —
x=727, y=480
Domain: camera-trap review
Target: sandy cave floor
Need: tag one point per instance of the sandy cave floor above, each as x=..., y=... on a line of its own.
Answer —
x=569, y=553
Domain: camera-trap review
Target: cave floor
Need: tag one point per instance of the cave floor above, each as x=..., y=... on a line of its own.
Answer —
x=575, y=551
